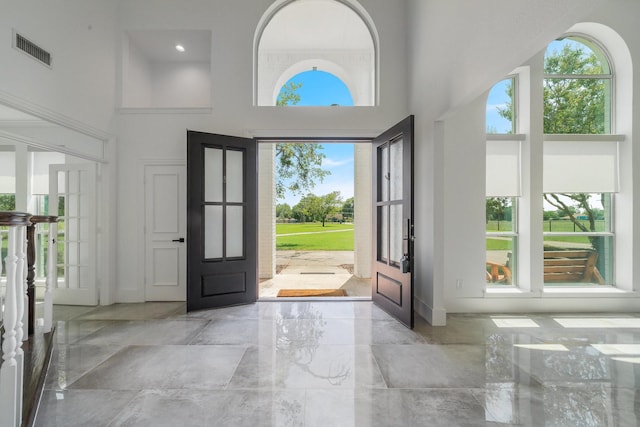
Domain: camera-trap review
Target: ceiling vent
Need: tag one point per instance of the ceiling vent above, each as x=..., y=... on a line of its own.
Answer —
x=32, y=49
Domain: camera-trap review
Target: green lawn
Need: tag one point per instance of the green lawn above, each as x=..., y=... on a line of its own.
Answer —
x=322, y=241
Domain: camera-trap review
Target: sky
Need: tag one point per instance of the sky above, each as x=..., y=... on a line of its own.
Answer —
x=323, y=89
x=498, y=99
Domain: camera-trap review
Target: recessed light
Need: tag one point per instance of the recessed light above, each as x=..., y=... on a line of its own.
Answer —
x=179, y=48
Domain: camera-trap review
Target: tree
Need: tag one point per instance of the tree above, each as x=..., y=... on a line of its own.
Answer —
x=288, y=94
x=318, y=208
x=298, y=165
x=329, y=204
x=498, y=209
x=283, y=210
x=348, y=209
x=7, y=202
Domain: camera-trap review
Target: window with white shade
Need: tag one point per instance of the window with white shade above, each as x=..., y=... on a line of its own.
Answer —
x=503, y=158
x=580, y=164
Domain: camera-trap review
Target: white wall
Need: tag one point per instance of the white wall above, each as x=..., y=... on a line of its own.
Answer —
x=162, y=135
x=80, y=37
x=450, y=241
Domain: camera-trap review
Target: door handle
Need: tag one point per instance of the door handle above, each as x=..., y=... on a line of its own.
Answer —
x=181, y=240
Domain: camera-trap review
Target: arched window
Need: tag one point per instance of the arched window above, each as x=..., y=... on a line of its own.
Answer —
x=502, y=183
x=577, y=87
x=579, y=172
x=334, y=36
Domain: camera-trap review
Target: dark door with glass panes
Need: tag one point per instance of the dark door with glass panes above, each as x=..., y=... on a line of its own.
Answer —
x=392, y=279
x=222, y=221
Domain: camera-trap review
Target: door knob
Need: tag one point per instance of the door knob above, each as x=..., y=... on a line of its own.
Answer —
x=181, y=240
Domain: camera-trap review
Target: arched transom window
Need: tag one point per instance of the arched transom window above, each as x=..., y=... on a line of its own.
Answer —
x=334, y=36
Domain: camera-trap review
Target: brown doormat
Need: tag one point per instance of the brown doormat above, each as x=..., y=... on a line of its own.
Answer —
x=312, y=293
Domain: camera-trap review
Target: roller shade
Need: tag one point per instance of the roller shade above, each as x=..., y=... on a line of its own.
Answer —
x=580, y=167
x=40, y=177
x=503, y=168
x=7, y=172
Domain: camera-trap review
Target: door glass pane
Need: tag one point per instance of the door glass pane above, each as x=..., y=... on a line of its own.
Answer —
x=396, y=170
x=395, y=233
x=62, y=182
x=72, y=230
x=383, y=233
x=74, y=182
x=383, y=177
x=213, y=232
x=212, y=175
x=235, y=172
x=235, y=236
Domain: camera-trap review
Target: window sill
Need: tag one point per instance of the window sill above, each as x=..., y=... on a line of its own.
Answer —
x=561, y=292
x=508, y=292
x=587, y=292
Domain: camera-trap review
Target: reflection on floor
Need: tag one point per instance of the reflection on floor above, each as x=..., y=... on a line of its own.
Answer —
x=337, y=364
x=315, y=270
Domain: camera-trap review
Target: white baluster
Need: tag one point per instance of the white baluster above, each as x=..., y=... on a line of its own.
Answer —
x=52, y=275
x=23, y=315
x=9, y=372
x=1, y=296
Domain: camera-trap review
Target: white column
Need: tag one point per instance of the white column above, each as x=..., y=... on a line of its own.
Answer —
x=266, y=211
x=362, y=215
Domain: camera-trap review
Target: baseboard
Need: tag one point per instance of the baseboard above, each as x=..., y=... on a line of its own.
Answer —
x=129, y=296
x=435, y=317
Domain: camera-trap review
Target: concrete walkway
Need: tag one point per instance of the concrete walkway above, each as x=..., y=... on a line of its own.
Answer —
x=315, y=270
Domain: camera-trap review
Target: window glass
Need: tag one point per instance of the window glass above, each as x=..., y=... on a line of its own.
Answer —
x=577, y=88
x=501, y=240
x=501, y=108
x=578, y=239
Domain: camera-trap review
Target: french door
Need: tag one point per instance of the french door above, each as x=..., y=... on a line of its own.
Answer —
x=72, y=189
x=392, y=278
x=222, y=231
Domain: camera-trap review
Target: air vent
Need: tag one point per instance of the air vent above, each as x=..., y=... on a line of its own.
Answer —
x=32, y=49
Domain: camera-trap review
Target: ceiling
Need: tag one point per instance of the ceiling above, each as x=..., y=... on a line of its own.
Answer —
x=160, y=45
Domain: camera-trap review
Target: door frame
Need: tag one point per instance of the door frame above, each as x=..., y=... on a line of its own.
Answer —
x=274, y=137
x=139, y=294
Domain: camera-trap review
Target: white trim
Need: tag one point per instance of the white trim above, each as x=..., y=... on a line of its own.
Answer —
x=552, y=137
x=43, y=113
x=159, y=110
x=138, y=294
x=13, y=138
x=506, y=137
x=435, y=316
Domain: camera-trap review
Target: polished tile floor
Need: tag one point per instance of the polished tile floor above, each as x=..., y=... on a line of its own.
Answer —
x=318, y=363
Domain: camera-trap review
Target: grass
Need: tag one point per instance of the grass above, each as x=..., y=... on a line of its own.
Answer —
x=323, y=241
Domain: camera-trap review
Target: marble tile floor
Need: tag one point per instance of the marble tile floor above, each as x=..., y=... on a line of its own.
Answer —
x=343, y=363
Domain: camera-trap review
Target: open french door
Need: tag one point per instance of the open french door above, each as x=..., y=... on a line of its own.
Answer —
x=222, y=232
x=72, y=189
x=392, y=278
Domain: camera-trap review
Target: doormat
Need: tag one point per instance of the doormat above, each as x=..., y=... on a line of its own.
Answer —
x=312, y=293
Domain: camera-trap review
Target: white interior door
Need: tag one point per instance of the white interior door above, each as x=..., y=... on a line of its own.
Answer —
x=73, y=188
x=165, y=232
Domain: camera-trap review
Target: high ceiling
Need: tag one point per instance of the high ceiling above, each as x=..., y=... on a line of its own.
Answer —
x=160, y=45
x=316, y=24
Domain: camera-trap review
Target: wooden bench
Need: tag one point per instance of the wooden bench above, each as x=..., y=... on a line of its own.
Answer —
x=573, y=266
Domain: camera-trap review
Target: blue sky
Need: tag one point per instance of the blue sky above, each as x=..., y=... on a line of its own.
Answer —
x=498, y=99
x=323, y=89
